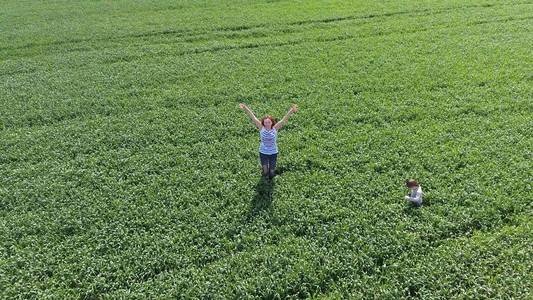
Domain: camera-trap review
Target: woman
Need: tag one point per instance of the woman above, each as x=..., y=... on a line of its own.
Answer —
x=268, y=131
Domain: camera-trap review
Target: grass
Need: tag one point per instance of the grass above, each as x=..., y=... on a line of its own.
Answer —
x=128, y=171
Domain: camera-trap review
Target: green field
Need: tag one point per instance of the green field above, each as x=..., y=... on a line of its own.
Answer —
x=128, y=171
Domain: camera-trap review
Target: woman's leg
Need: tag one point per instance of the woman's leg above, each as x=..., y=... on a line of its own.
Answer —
x=264, y=163
x=265, y=170
x=272, y=165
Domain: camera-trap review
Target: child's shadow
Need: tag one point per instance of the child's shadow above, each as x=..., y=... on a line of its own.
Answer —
x=411, y=209
x=262, y=201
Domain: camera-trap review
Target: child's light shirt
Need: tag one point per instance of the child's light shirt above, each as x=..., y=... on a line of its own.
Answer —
x=415, y=195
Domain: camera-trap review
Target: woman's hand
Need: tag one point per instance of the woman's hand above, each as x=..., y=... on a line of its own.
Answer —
x=242, y=106
x=294, y=108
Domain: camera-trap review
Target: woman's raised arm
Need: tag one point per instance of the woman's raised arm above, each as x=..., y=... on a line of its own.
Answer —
x=280, y=124
x=250, y=114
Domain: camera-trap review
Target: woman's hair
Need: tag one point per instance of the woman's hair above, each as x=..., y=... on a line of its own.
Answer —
x=411, y=183
x=268, y=117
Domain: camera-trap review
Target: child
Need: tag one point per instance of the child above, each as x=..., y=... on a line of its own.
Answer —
x=268, y=132
x=415, y=195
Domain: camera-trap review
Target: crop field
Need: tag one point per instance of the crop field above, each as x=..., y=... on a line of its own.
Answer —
x=127, y=169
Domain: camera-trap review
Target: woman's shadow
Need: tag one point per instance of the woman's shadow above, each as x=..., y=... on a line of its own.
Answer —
x=262, y=201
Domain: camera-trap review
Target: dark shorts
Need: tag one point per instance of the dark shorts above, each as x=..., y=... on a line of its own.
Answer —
x=268, y=159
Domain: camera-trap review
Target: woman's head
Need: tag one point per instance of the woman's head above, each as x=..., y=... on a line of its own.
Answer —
x=268, y=121
x=411, y=183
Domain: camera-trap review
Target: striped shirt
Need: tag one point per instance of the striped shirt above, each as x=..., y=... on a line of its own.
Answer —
x=268, y=141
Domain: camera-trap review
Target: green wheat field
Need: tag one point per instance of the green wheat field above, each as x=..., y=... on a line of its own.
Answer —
x=128, y=171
